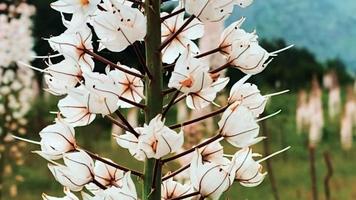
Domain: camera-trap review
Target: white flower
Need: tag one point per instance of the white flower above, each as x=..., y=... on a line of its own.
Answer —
x=155, y=140
x=67, y=192
x=243, y=3
x=103, y=93
x=106, y=175
x=214, y=152
x=172, y=189
x=205, y=96
x=129, y=87
x=177, y=46
x=190, y=74
x=57, y=139
x=248, y=95
x=75, y=110
x=81, y=9
x=126, y=192
x=249, y=172
x=97, y=96
x=209, y=10
x=248, y=56
x=61, y=76
x=230, y=34
x=209, y=178
x=119, y=28
x=77, y=171
x=72, y=44
x=239, y=127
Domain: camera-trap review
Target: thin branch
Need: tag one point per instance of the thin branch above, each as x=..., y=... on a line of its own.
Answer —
x=172, y=14
x=111, y=64
x=221, y=110
x=213, y=139
x=226, y=65
x=180, y=98
x=142, y=106
x=117, y=123
x=96, y=157
x=170, y=104
x=328, y=175
x=127, y=124
x=178, y=171
x=168, y=91
x=186, y=196
x=209, y=52
x=97, y=183
x=174, y=35
x=169, y=67
x=313, y=172
x=142, y=60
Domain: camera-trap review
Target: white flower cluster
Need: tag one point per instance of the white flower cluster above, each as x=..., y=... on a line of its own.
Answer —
x=16, y=42
x=17, y=90
x=16, y=84
x=119, y=24
x=311, y=106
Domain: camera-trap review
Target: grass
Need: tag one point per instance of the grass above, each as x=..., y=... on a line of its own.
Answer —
x=291, y=170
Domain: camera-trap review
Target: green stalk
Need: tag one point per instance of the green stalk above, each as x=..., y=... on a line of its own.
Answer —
x=154, y=97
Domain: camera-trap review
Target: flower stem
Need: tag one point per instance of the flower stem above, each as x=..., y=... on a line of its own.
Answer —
x=174, y=35
x=97, y=183
x=117, y=123
x=170, y=104
x=132, y=102
x=226, y=65
x=127, y=124
x=172, y=14
x=221, y=110
x=178, y=171
x=168, y=91
x=213, y=139
x=96, y=157
x=141, y=60
x=111, y=64
x=154, y=97
x=210, y=52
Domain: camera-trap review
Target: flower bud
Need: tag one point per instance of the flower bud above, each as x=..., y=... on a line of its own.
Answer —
x=209, y=11
x=155, y=141
x=210, y=179
x=239, y=127
x=77, y=171
x=57, y=139
x=172, y=189
x=249, y=172
x=106, y=175
x=69, y=196
x=126, y=192
x=248, y=95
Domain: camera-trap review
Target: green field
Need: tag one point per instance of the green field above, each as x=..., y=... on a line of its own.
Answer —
x=291, y=170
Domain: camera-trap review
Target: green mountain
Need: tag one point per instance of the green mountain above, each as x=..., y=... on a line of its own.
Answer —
x=325, y=27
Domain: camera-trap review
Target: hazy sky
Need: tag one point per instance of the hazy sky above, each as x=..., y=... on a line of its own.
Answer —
x=325, y=27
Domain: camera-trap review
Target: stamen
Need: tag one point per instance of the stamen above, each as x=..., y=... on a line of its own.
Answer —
x=274, y=154
x=48, y=56
x=31, y=67
x=268, y=116
x=280, y=50
x=26, y=140
x=277, y=93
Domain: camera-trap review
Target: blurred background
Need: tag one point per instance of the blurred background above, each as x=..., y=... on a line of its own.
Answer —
x=318, y=116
